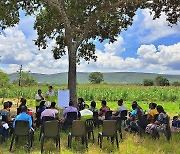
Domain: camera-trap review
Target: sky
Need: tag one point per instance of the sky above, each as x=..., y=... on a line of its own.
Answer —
x=149, y=46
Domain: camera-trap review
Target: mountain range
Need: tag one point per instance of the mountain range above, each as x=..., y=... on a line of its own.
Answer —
x=110, y=77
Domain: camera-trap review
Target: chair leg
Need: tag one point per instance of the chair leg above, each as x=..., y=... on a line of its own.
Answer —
x=40, y=133
x=82, y=140
x=69, y=141
x=29, y=142
x=86, y=141
x=12, y=142
x=101, y=141
x=42, y=142
x=93, y=135
x=112, y=140
x=117, y=141
x=59, y=142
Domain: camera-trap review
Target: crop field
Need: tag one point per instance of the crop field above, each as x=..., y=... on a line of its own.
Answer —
x=168, y=97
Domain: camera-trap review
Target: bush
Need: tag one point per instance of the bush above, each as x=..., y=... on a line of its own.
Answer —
x=161, y=81
x=176, y=83
x=148, y=82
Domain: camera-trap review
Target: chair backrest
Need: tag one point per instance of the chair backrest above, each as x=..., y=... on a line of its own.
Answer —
x=47, y=118
x=109, y=127
x=78, y=128
x=155, y=117
x=37, y=108
x=142, y=121
x=95, y=115
x=71, y=116
x=108, y=115
x=21, y=128
x=123, y=114
x=51, y=128
x=89, y=124
x=5, y=118
x=18, y=110
x=118, y=120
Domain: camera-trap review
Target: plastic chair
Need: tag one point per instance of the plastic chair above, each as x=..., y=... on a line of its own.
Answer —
x=44, y=119
x=50, y=130
x=123, y=115
x=69, y=119
x=22, y=130
x=108, y=115
x=90, y=127
x=109, y=129
x=97, y=122
x=78, y=130
x=119, y=122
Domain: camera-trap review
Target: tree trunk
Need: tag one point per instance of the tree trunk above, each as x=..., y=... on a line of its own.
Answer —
x=72, y=74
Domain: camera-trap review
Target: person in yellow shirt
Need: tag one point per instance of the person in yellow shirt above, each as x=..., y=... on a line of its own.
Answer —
x=152, y=112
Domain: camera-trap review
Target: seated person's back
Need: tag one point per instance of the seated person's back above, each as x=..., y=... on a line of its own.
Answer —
x=48, y=112
x=23, y=116
x=71, y=108
x=5, y=111
x=120, y=108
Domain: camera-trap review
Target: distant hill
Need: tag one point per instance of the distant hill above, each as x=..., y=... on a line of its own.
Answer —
x=113, y=77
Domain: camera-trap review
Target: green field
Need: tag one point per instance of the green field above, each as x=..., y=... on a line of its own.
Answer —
x=168, y=97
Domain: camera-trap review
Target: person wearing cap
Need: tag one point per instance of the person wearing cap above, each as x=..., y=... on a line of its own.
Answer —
x=48, y=111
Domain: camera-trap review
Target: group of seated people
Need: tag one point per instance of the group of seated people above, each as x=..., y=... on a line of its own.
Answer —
x=49, y=109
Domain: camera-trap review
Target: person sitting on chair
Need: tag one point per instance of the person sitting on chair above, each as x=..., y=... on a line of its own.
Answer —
x=120, y=108
x=93, y=107
x=103, y=110
x=81, y=104
x=159, y=124
x=152, y=112
x=23, y=116
x=71, y=108
x=176, y=122
x=6, y=111
x=48, y=111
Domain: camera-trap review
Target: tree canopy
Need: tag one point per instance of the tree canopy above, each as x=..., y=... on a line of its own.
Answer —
x=4, y=79
x=161, y=81
x=76, y=23
x=96, y=77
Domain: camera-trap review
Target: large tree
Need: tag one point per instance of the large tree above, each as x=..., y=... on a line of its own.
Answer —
x=76, y=23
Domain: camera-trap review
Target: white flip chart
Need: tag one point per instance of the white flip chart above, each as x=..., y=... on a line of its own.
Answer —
x=63, y=98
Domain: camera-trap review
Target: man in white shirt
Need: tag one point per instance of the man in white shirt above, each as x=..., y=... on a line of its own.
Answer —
x=39, y=97
x=50, y=92
x=120, y=108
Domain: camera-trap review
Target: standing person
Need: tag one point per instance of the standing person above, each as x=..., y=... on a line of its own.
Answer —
x=103, y=110
x=120, y=108
x=39, y=97
x=50, y=92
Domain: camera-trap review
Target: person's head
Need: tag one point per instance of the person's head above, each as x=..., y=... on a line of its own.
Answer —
x=50, y=88
x=70, y=103
x=6, y=105
x=53, y=104
x=134, y=106
x=134, y=102
x=160, y=109
x=93, y=104
x=42, y=103
x=80, y=100
x=103, y=103
x=175, y=118
x=39, y=91
x=47, y=104
x=150, y=105
x=23, y=108
x=10, y=104
x=23, y=101
x=153, y=105
x=120, y=102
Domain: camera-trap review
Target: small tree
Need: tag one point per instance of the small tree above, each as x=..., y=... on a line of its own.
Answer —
x=96, y=77
x=161, y=81
x=176, y=83
x=148, y=82
x=26, y=80
x=4, y=79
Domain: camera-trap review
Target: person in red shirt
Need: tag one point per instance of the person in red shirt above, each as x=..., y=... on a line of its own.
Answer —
x=103, y=110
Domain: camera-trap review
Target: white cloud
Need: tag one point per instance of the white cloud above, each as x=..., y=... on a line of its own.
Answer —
x=116, y=47
x=157, y=28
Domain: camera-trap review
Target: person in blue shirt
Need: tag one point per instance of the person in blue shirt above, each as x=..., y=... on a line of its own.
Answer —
x=23, y=116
